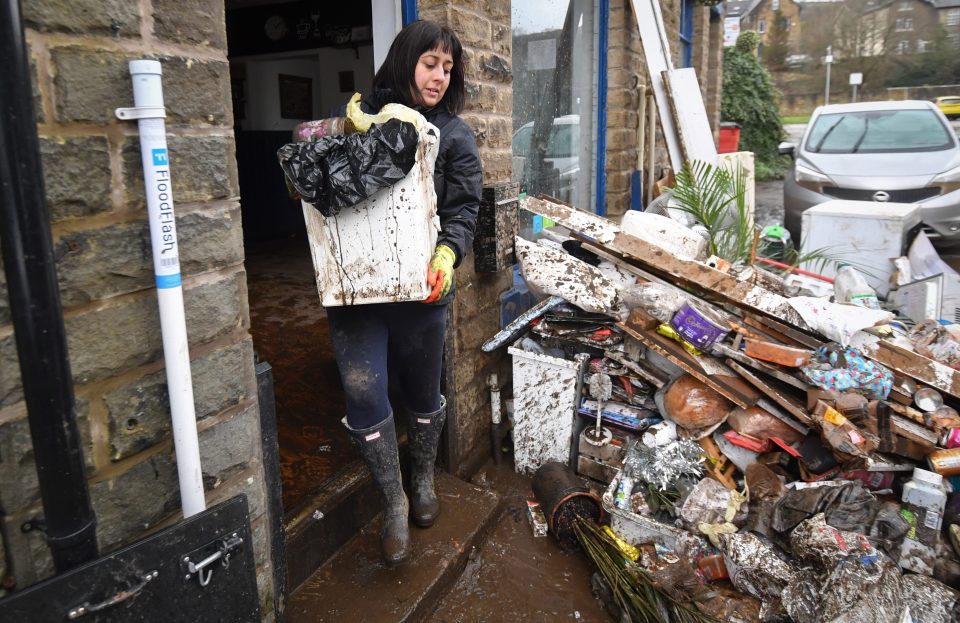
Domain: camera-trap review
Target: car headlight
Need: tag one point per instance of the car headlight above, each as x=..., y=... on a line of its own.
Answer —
x=808, y=177
x=949, y=180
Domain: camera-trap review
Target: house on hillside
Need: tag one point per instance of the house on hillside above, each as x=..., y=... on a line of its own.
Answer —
x=762, y=16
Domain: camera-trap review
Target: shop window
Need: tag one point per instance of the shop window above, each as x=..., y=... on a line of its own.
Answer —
x=555, y=98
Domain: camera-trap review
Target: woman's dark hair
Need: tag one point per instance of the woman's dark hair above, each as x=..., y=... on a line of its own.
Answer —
x=397, y=71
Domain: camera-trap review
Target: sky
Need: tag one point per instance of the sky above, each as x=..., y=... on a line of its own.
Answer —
x=531, y=16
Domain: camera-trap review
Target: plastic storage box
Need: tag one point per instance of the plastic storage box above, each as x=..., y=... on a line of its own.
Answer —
x=545, y=398
x=378, y=250
x=866, y=234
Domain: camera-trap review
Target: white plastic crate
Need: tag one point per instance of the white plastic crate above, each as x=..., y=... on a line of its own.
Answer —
x=545, y=399
x=378, y=250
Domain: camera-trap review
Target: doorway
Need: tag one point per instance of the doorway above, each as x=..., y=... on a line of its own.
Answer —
x=292, y=62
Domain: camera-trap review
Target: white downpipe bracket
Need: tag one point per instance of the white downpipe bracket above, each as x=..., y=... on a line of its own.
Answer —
x=149, y=112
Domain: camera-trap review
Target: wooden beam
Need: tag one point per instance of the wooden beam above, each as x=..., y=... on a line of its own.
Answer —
x=743, y=294
x=781, y=398
x=760, y=366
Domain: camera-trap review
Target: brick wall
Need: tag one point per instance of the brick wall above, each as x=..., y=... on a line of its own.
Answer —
x=627, y=69
x=484, y=28
x=79, y=51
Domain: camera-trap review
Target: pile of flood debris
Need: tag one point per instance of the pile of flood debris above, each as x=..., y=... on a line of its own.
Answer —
x=760, y=457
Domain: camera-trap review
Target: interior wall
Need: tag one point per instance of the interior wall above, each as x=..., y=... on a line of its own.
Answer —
x=323, y=67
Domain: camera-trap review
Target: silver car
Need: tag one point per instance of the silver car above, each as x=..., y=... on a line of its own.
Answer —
x=902, y=151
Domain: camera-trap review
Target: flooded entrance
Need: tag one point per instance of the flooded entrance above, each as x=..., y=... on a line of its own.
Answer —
x=291, y=62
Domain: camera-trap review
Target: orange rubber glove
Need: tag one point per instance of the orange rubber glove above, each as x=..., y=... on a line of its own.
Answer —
x=440, y=273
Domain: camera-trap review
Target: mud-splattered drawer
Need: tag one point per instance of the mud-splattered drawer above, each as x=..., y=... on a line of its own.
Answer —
x=545, y=395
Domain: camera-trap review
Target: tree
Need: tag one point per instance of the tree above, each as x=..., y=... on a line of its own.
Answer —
x=778, y=41
x=750, y=99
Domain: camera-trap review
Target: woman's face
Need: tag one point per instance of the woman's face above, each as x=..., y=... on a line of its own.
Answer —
x=432, y=76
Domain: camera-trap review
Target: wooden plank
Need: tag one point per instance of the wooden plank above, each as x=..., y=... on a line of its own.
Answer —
x=690, y=115
x=760, y=366
x=744, y=294
x=730, y=387
x=656, y=52
x=637, y=368
x=787, y=402
x=789, y=333
x=933, y=373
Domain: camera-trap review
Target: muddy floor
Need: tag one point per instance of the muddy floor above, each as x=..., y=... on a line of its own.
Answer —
x=514, y=576
x=289, y=330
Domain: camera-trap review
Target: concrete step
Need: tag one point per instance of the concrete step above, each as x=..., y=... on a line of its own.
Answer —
x=355, y=585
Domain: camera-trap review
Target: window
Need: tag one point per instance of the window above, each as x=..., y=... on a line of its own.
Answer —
x=903, y=47
x=762, y=26
x=880, y=131
x=921, y=46
x=904, y=24
x=686, y=33
x=953, y=17
x=555, y=101
x=775, y=5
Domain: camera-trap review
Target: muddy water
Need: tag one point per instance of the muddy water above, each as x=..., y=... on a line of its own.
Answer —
x=290, y=332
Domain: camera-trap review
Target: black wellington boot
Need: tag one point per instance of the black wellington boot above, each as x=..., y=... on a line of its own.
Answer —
x=424, y=437
x=378, y=447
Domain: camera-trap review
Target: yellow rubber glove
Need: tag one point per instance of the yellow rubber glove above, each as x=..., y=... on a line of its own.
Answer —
x=440, y=273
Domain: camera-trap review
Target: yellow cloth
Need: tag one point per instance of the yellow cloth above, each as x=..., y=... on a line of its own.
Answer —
x=362, y=121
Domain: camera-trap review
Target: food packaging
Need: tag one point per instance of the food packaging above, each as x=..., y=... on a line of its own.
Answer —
x=699, y=325
x=692, y=405
x=538, y=522
x=777, y=353
x=757, y=422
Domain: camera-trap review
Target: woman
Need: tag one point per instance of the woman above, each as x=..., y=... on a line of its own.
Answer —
x=423, y=70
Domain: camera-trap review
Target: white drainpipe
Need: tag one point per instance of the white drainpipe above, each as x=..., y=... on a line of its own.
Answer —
x=150, y=113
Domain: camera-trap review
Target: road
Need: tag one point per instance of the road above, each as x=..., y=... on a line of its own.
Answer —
x=769, y=195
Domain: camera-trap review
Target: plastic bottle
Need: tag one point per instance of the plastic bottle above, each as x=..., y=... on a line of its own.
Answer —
x=851, y=288
x=925, y=492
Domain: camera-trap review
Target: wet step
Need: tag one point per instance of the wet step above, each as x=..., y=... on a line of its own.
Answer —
x=355, y=585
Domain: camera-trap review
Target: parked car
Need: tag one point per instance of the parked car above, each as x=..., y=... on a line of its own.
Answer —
x=901, y=151
x=949, y=106
x=562, y=156
x=796, y=61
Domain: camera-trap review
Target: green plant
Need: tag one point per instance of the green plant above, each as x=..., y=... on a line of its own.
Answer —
x=748, y=41
x=750, y=99
x=717, y=199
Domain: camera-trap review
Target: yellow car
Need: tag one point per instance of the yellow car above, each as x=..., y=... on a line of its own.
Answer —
x=949, y=106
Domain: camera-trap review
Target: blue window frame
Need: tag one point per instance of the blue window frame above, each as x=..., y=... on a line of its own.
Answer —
x=686, y=33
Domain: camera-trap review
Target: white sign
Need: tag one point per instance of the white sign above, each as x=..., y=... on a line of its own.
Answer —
x=856, y=78
x=731, y=30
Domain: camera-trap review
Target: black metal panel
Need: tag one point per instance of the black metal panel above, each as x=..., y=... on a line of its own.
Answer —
x=147, y=581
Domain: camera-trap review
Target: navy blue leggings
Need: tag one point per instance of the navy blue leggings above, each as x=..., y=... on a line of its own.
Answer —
x=407, y=335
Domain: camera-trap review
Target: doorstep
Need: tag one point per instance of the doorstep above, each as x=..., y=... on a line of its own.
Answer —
x=354, y=585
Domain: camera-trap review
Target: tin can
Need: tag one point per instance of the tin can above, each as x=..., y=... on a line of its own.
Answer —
x=945, y=462
x=699, y=325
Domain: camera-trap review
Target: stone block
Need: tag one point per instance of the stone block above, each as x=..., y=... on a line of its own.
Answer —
x=132, y=502
x=105, y=342
x=35, y=91
x=10, y=386
x=139, y=412
x=76, y=175
x=90, y=84
x=497, y=166
x=118, y=18
x=250, y=483
x=19, y=486
x=206, y=240
x=473, y=30
x=194, y=22
x=502, y=38
x=28, y=554
x=202, y=168
x=229, y=447
x=479, y=127
x=499, y=132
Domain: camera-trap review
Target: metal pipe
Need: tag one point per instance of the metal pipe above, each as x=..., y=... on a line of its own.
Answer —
x=36, y=311
x=150, y=113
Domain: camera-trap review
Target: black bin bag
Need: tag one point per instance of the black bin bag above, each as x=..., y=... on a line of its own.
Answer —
x=340, y=171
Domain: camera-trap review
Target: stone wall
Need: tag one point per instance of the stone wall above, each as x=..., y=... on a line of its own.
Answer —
x=484, y=29
x=79, y=50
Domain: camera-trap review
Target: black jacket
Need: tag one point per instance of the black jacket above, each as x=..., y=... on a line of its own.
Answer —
x=457, y=175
